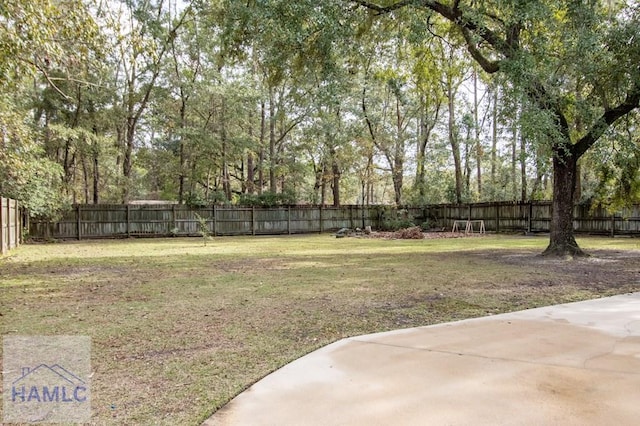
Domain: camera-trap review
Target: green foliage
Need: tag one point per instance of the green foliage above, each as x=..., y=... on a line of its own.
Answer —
x=36, y=183
x=217, y=197
x=267, y=199
x=393, y=219
x=42, y=43
x=273, y=93
x=428, y=225
x=37, y=35
x=24, y=175
x=397, y=224
x=197, y=199
x=203, y=225
x=611, y=172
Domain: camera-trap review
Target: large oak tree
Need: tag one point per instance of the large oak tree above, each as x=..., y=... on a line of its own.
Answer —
x=576, y=64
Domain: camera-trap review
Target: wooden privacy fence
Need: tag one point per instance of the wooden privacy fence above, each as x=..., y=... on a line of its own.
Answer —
x=109, y=221
x=531, y=217
x=10, y=225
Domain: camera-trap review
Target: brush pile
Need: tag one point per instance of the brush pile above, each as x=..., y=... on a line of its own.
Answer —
x=413, y=233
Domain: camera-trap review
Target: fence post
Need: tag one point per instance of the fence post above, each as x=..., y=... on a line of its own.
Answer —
x=529, y=218
x=7, y=221
x=498, y=217
x=2, y=251
x=173, y=219
x=321, y=218
x=613, y=224
x=25, y=224
x=78, y=222
x=351, y=216
x=215, y=221
x=289, y=220
x=128, y=220
x=253, y=220
x=18, y=224
x=445, y=216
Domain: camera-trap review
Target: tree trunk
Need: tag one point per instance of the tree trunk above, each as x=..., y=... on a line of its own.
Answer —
x=369, y=179
x=421, y=151
x=272, y=143
x=561, y=240
x=514, y=159
x=260, y=171
x=182, y=159
x=335, y=186
x=85, y=178
x=318, y=173
x=420, y=169
x=323, y=185
x=455, y=145
x=398, y=158
x=226, y=178
x=476, y=128
x=250, y=174
x=127, y=159
x=523, y=169
x=96, y=174
x=426, y=124
x=263, y=130
x=467, y=164
x=494, y=137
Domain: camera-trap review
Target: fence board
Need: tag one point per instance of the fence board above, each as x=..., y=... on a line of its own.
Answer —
x=109, y=221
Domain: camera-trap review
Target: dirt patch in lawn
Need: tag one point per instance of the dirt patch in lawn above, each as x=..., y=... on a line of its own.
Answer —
x=609, y=271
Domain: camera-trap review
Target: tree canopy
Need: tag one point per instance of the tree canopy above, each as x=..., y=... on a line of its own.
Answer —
x=340, y=101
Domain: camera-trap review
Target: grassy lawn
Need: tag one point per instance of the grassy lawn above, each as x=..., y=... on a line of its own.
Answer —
x=178, y=328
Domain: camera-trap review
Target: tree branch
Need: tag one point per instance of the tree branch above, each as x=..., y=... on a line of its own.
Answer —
x=454, y=15
x=537, y=93
x=383, y=9
x=47, y=77
x=513, y=36
x=156, y=72
x=610, y=116
x=487, y=65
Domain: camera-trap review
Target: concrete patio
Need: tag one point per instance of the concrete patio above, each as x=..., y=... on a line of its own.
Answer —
x=569, y=364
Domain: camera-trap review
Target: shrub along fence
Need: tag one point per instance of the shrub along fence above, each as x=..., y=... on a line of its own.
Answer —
x=10, y=225
x=112, y=221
